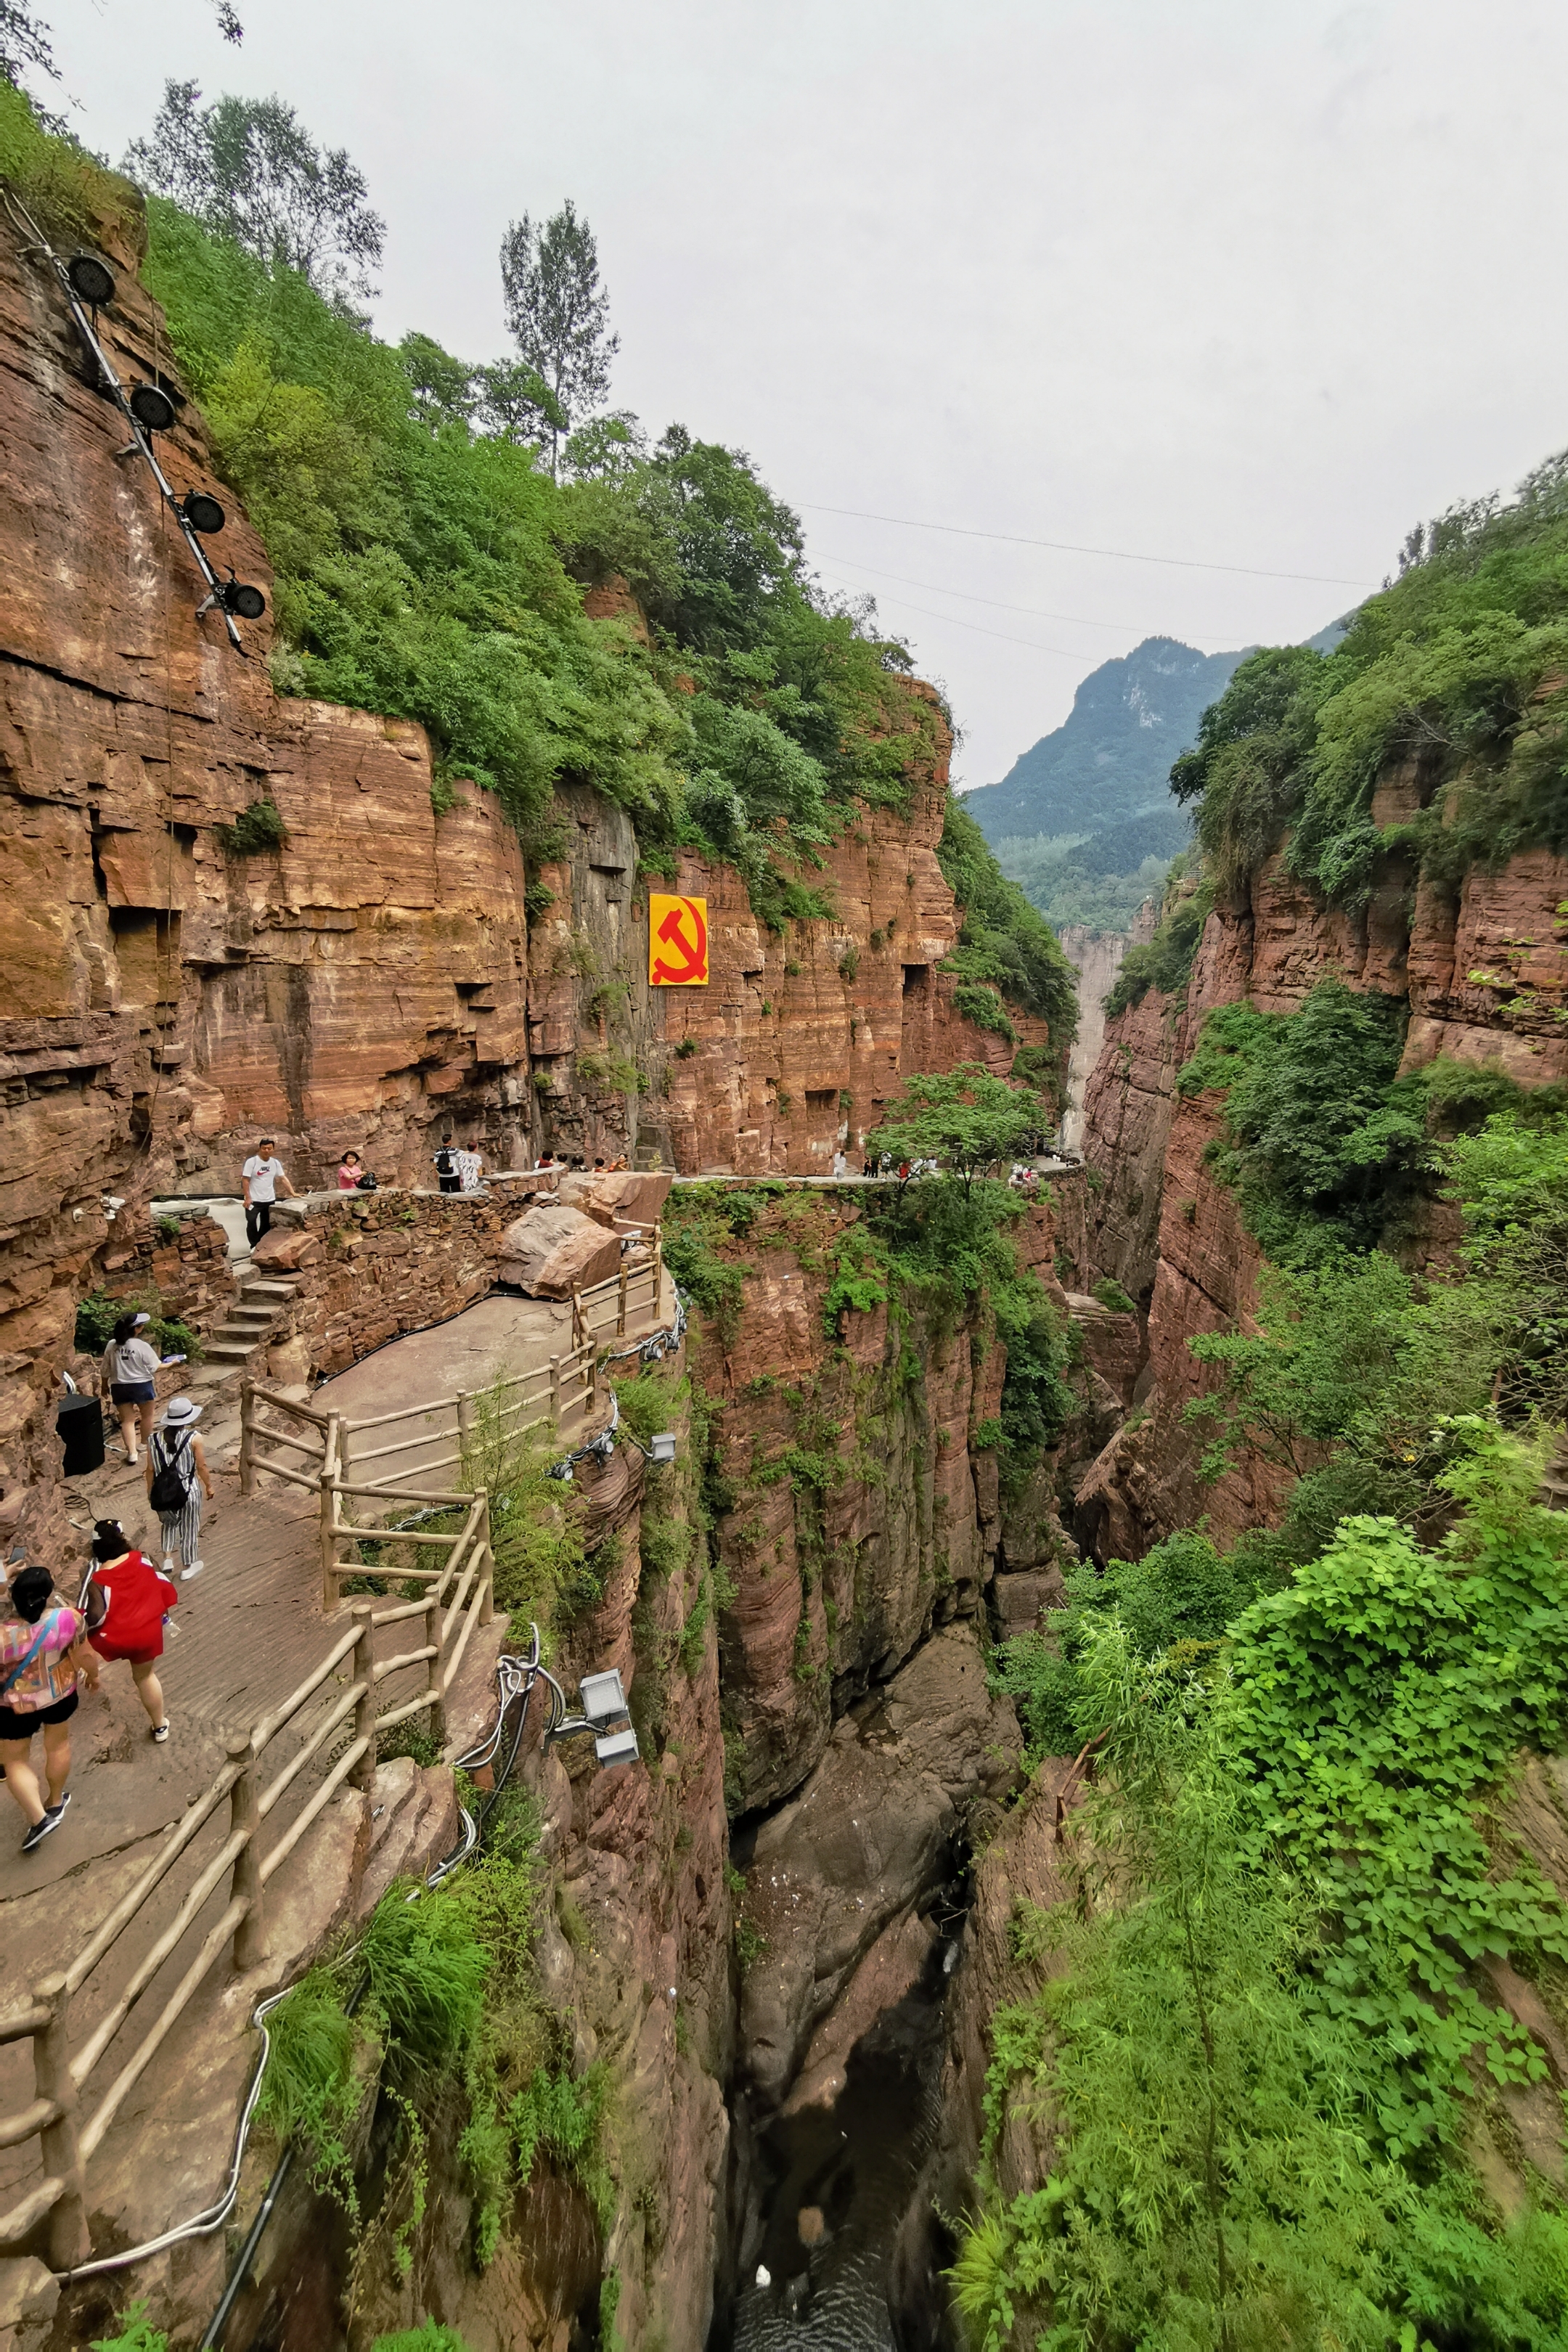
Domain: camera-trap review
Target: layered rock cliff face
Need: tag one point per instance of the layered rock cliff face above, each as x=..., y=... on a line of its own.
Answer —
x=1097, y=955
x=1484, y=974
x=380, y=973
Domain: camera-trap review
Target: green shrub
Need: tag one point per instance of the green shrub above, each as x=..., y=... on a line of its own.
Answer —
x=260, y=826
x=427, y=2338
x=1112, y=1297
x=138, y=2333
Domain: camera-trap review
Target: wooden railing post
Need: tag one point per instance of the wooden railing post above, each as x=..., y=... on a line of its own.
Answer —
x=364, y=1615
x=246, y=1430
x=329, y=1513
x=621, y=1301
x=432, y=1673
x=555, y=1388
x=250, y=1936
x=465, y=1421
x=488, y=1571
x=578, y=1333
x=658, y=1270
x=57, y=2140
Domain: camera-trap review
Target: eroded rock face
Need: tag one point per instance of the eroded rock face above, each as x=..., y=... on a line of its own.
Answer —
x=868, y=1839
x=375, y=977
x=1484, y=979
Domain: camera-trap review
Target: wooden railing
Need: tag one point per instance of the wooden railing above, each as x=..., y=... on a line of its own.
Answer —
x=325, y=1453
x=460, y=1598
x=411, y=1454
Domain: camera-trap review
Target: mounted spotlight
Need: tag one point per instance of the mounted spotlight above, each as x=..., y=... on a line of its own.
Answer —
x=662, y=1448
x=202, y=512
x=238, y=596
x=91, y=281
x=151, y=408
x=605, y=1714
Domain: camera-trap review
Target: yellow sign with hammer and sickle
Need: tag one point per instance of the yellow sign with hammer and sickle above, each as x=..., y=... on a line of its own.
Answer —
x=677, y=941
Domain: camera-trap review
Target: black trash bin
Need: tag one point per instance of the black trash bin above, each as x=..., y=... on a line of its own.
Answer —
x=80, y=1423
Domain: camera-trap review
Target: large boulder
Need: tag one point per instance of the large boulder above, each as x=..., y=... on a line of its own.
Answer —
x=553, y=1250
x=285, y=1249
x=627, y=1194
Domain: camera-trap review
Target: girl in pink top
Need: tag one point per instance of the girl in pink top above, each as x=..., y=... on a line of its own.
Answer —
x=38, y=1693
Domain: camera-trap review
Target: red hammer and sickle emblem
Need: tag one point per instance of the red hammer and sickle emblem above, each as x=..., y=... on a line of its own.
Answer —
x=673, y=932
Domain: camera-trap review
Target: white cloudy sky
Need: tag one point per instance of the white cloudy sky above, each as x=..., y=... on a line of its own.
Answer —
x=1243, y=282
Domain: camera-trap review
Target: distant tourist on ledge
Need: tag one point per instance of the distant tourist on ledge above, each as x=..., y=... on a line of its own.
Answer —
x=840, y=1164
x=349, y=1172
x=259, y=1180
x=446, y=1174
x=470, y=1171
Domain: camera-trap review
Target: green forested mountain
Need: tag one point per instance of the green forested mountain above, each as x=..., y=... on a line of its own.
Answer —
x=1084, y=820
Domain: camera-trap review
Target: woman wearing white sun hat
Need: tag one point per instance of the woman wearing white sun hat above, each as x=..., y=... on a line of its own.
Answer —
x=177, y=1477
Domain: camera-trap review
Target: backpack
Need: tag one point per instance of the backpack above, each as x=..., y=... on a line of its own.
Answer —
x=366, y=1183
x=446, y=1161
x=171, y=1485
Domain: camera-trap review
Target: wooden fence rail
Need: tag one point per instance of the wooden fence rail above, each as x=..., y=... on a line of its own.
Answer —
x=460, y=1598
x=304, y=1446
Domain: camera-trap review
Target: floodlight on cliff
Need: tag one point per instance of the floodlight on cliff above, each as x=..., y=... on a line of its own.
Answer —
x=91, y=278
x=604, y=1714
x=202, y=511
x=151, y=408
x=234, y=595
x=148, y=409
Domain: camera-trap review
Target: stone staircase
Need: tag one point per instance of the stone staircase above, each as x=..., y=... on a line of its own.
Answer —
x=229, y=1349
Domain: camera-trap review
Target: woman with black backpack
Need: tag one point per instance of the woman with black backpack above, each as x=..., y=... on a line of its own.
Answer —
x=177, y=1477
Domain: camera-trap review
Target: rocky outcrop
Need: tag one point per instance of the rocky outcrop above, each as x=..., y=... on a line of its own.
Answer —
x=378, y=972
x=866, y=1842
x=1484, y=974
x=553, y=1250
x=1097, y=955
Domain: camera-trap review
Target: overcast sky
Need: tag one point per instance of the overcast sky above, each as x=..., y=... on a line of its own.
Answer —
x=1252, y=283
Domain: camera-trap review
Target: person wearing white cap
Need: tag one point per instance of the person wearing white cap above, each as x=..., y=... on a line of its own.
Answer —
x=132, y=1368
x=177, y=1479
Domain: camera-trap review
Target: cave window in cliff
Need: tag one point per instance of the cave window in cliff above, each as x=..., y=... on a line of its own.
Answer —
x=917, y=979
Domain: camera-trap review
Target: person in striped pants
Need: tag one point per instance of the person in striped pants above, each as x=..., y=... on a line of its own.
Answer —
x=174, y=1441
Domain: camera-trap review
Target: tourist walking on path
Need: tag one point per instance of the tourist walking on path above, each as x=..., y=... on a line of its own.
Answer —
x=259, y=1180
x=177, y=1477
x=38, y=1693
x=132, y=1369
x=132, y=1626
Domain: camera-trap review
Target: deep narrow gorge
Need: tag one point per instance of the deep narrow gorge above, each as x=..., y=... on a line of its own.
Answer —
x=1080, y=1853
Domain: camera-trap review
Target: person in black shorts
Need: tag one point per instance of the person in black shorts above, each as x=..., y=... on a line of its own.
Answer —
x=38, y=1693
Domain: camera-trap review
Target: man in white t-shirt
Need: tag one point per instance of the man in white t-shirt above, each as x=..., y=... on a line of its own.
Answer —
x=260, y=1179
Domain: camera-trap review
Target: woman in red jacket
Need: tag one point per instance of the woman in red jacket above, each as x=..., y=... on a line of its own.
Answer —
x=132, y=1626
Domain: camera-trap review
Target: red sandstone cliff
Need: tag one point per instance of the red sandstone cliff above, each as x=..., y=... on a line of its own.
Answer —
x=1486, y=979
x=375, y=977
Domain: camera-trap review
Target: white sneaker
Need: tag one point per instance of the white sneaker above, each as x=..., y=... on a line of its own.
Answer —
x=169, y=1565
x=195, y=1569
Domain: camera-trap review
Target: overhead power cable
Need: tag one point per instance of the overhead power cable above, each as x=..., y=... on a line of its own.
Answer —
x=998, y=605
x=1071, y=547
x=953, y=620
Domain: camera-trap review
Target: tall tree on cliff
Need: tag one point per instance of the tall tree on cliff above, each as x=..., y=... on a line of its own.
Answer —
x=248, y=170
x=558, y=315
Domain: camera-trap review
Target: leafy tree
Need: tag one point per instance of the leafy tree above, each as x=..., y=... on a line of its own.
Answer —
x=1212, y=2184
x=442, y=387
x=248, y=169
x=967, y=1120
x=1376, y=1698
x=516, y=404
x=558, y=314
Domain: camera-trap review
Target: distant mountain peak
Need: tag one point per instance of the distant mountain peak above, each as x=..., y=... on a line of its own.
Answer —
x=1110, y=758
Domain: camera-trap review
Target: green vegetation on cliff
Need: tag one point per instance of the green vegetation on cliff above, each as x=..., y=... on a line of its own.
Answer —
x=1458, y=667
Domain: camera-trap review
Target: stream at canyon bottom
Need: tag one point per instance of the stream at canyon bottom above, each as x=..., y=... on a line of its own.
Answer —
x=831, y=2186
